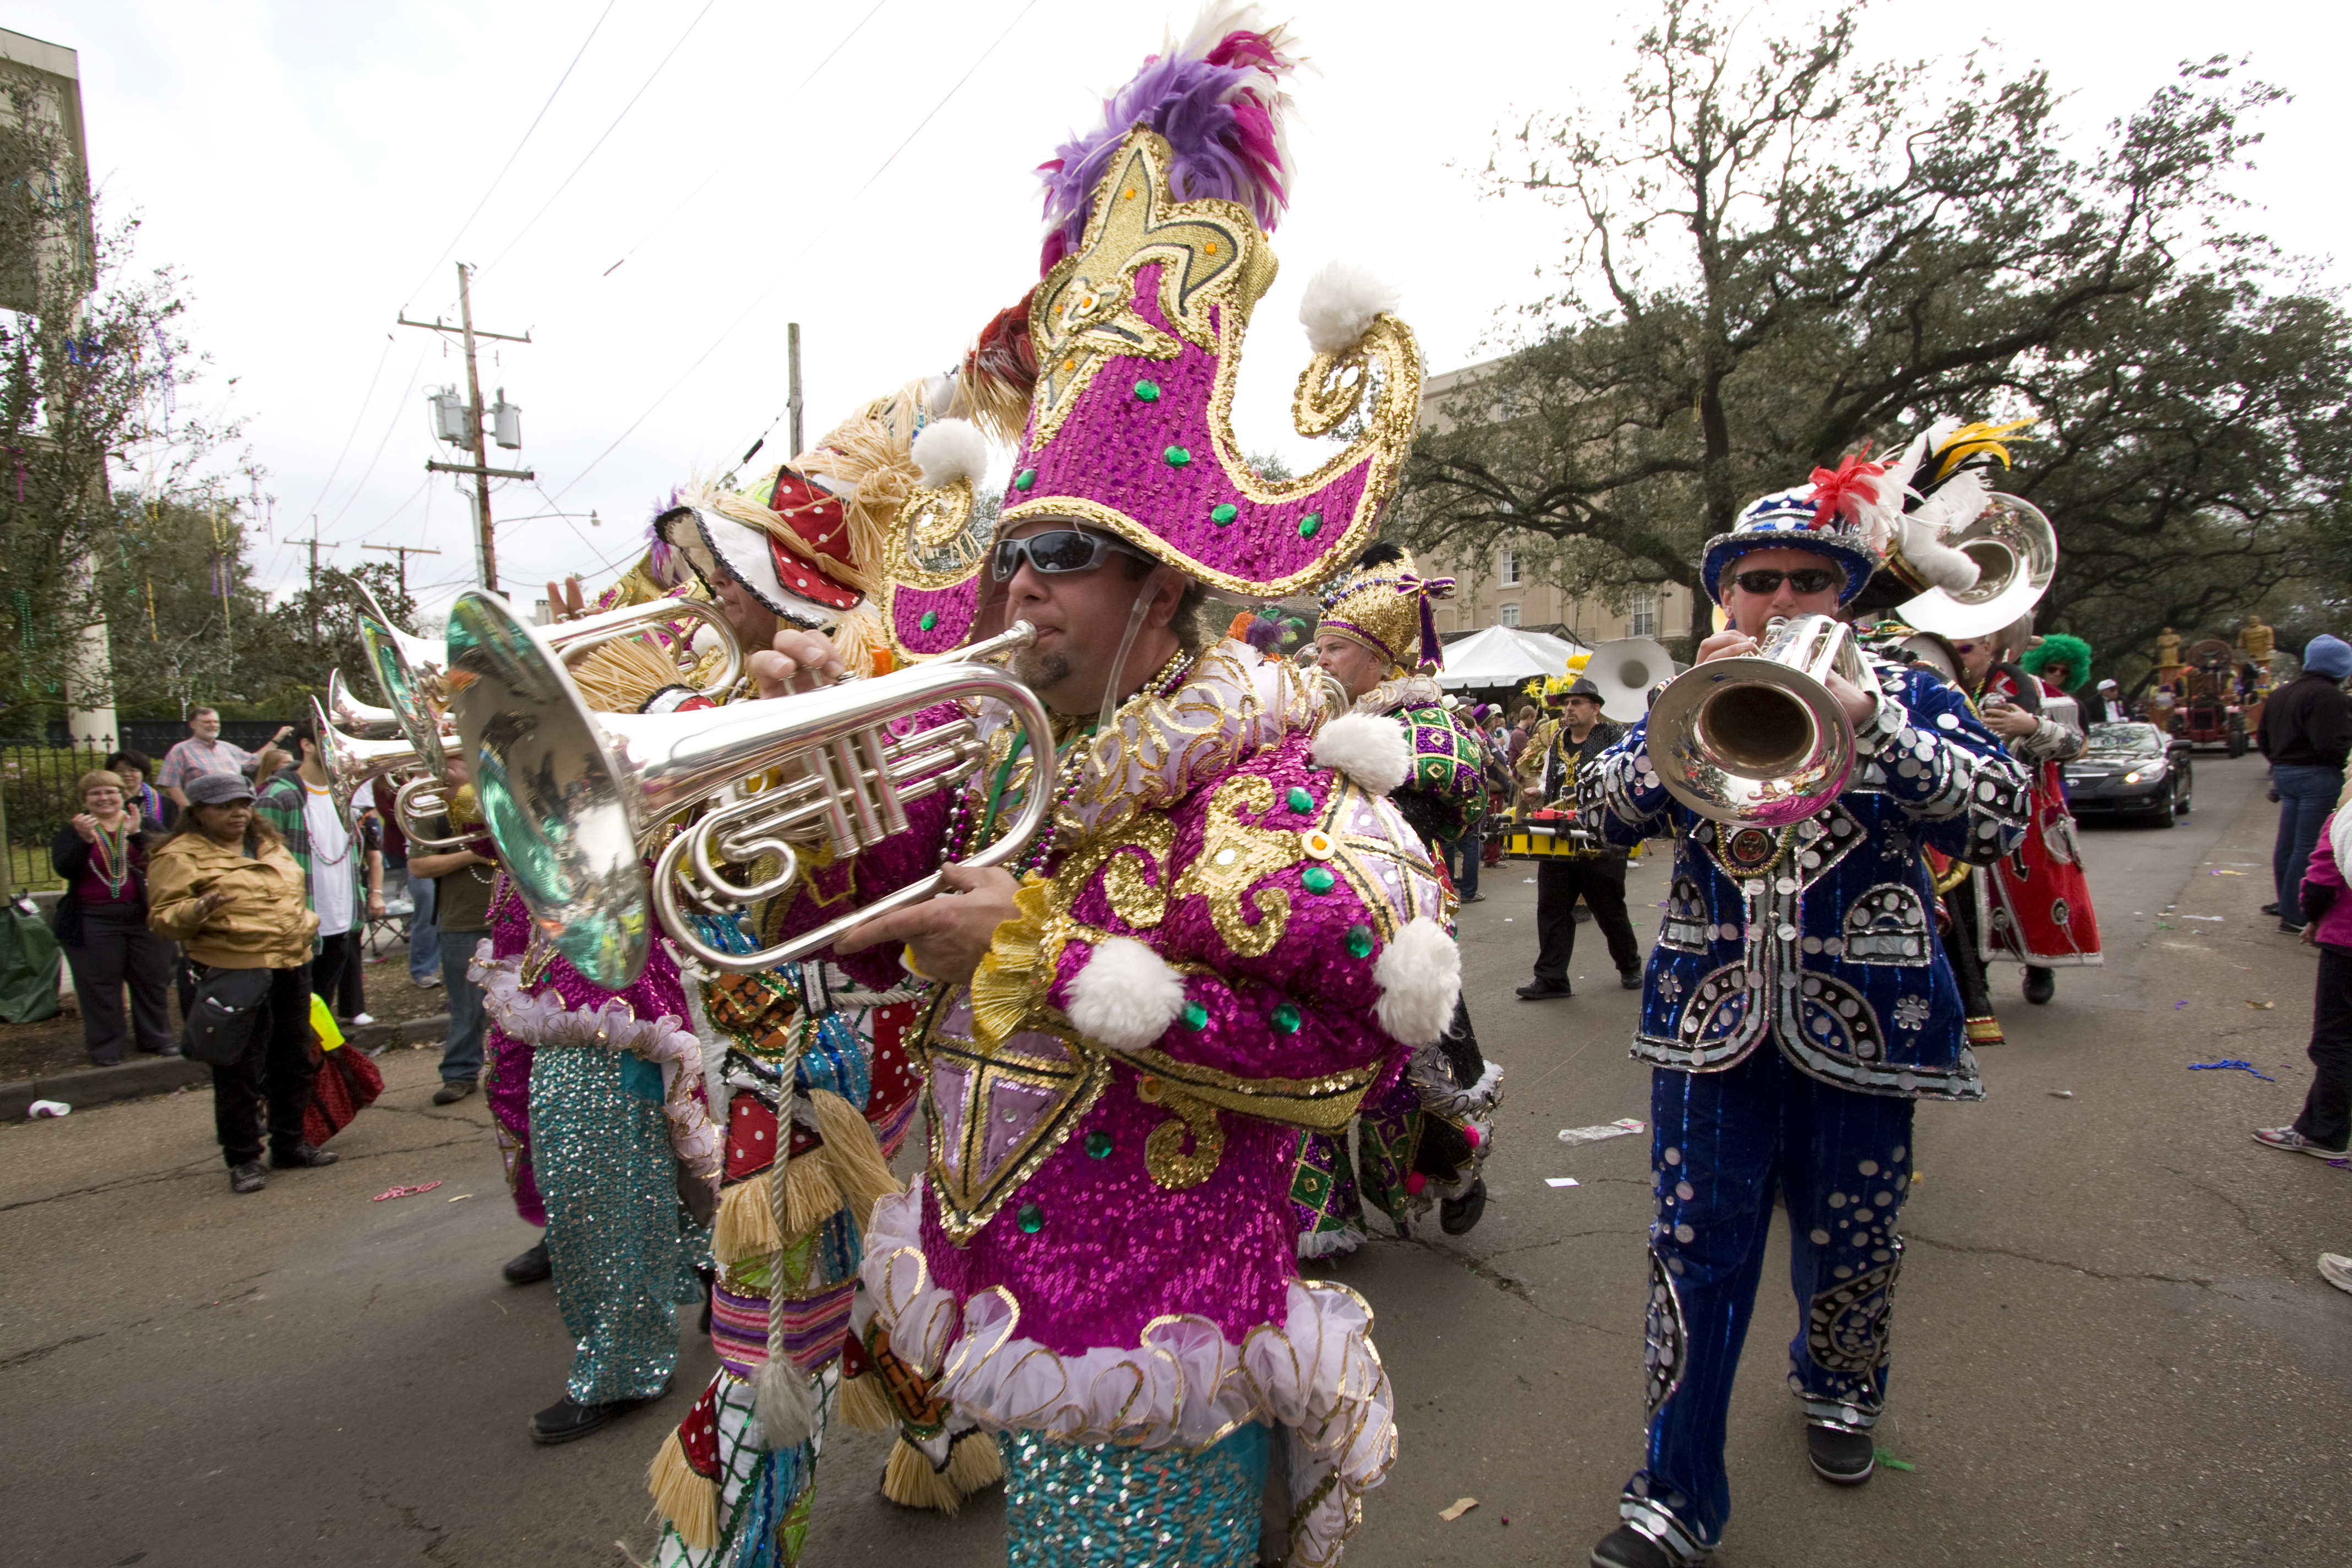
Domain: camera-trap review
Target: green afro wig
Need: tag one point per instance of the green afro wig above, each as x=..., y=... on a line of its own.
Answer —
x=2059, y=647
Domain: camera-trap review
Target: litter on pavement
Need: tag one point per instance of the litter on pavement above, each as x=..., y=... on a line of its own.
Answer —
x=1559, y=1180
x=41, y=1108
x=2062, y=1094
x=2263, y=1006
x=2242, y=1067
x=1460, y=1507
x=403, y=1192
x=1618, y=1128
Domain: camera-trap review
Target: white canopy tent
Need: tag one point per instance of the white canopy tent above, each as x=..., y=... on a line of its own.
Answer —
x=1504, y=656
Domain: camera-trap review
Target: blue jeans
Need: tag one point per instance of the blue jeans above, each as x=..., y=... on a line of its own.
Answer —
x=1462, y=857
x=461, y=1052
x=424, y=936
x=2307, y=794
x=1724, y=1144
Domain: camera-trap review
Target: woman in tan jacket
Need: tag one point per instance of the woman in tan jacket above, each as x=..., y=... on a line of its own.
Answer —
x=225, y=887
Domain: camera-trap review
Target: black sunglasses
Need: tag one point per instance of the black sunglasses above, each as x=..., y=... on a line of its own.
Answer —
x=1805, y=580
x=1058, y=551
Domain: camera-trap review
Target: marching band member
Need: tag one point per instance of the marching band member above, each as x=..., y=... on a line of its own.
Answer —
x=1230, y=934
x=1598, y=877
x=1796, y=1006
x=1427, y=1137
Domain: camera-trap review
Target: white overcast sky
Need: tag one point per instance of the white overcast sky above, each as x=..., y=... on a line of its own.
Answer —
x=309, y=167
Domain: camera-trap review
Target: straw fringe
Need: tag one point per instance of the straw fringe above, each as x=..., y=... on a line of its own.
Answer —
x=854, y=1155
x=974, y=1463
x=746, y=1226
x=909, y=1481
x=863, y=1405
x=619, y=677
x=689, y=1502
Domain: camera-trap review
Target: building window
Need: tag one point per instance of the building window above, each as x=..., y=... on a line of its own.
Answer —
x=1506, y=570
x=1508, y=615
x=1642, y=620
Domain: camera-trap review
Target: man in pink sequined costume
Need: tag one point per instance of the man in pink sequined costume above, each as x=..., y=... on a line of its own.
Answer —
x=1224, y=936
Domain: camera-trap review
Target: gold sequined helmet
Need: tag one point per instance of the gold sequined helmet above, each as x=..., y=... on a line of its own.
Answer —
x=1384, y=606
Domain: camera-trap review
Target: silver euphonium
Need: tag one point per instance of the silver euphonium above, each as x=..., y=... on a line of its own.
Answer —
x=1760, y=738
x=2016, y=552
x=350, y=760
x=573, y=796
x=360, y=721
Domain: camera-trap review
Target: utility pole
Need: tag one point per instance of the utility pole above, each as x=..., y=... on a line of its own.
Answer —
x=403, y=551
x=792, y=360
x=314, y=579
x=482, y=471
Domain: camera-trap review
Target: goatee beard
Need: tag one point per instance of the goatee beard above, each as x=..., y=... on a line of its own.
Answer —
x=1039, y=671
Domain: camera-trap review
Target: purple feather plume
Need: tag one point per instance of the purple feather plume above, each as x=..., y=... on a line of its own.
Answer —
x=1220, y=108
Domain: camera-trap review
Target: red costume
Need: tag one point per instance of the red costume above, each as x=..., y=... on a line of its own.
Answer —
x=2033, y=906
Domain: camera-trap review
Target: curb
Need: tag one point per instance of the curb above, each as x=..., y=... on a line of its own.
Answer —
x=162, y=1075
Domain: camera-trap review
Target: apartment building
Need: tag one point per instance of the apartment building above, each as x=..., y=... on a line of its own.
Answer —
x=1505, y=586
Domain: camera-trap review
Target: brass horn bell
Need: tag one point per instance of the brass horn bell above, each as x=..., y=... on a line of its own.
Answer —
x=571, y=795
x=1760, y=738
x=2016, y=552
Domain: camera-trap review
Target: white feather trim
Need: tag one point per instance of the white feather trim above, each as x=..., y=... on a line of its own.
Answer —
x=1420, y=977
x=1370, y=751
x=946, y=450
x=1937, y=564
x=1339, y=304
x=1126, y=996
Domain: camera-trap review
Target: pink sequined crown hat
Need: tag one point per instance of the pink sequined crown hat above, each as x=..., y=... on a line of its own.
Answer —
x=1156, y=253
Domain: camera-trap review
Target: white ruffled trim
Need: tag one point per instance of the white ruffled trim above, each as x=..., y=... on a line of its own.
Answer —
x=545, y=1020
x=1186, y=1386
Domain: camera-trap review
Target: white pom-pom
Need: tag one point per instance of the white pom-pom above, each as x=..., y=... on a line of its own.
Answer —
x=1370, y=749
x=1339, y=304
x=946, y=450
x=1420, y=979
x=1126, y=996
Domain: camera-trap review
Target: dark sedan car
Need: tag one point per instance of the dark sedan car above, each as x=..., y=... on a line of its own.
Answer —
x=2130, y=768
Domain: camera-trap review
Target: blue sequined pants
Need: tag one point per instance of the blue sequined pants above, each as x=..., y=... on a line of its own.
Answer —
x=622, y=1248
x=1723, y=1145
x=1077, y=1506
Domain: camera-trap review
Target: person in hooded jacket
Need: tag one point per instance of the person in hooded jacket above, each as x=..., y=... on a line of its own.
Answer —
x=2306, y=732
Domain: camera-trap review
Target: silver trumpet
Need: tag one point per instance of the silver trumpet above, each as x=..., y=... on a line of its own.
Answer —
x=1760, y=739
x=569, y=795
x=362, y=721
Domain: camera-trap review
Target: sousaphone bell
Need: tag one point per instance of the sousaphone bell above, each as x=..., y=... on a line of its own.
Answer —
x=1628, y=671
x=2016, y=552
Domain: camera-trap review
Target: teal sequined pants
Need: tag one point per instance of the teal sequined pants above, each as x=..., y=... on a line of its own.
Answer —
x=1075, y=1507
x=623, y=1247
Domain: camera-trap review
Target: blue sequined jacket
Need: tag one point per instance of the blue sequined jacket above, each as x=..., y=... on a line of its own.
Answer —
x=1823, y=933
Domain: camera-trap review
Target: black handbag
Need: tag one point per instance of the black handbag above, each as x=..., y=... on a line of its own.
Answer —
x=220, y=1023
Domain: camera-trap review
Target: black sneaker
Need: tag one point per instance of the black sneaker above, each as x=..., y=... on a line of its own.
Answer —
x=1456, y=1217
x=567, y=1420
x=1542, y=991
x=302, y=1155
x=1841, y=1458
x=454, y=1089
x=2040, y=984
x=1630, y=979
x=249, y=1177
x=1474, y=899
x=1626, y=1547
x=528, y=1268
x=2270, y=909
x=2292, y=928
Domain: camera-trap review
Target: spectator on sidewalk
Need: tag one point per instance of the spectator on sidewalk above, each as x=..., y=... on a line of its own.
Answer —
x=299, y=805
x=135, y=768
x=223, y=884
x=424, y=937
x=102, y=924
x=204, y=752
x=2325, y=1127
x=2306, y=733
x=462, y=883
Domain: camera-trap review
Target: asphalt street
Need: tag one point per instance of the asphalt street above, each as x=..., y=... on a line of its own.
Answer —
x=2110, y=1344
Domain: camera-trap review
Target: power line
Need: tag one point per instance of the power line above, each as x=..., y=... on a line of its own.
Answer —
x=329, y=483
x=541, y=213
x=663, y=227
x=518, y=148
x=392, y=425
x=828, y=232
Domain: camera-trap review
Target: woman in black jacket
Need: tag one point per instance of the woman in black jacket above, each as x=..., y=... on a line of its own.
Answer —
x=101, y=923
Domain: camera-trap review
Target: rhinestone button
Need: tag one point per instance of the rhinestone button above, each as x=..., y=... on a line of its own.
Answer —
x=1286, y=1019
x=1299, y=799
x=1359, y=941
x=1031, y=1219
x=1147, y=391
x=1196, y=1017
x=1316, y=879
x=1098, y=1144
x=1224, y=514
x=1176, y=456
x=1025, y=479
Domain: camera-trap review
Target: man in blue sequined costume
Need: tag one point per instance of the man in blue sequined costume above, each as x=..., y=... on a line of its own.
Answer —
x=1795, y=1007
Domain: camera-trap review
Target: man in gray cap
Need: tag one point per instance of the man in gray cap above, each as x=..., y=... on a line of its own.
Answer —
x=1598, y=876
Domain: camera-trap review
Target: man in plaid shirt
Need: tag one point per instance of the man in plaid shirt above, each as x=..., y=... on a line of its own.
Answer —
x=343, y=879
x=204, y=752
